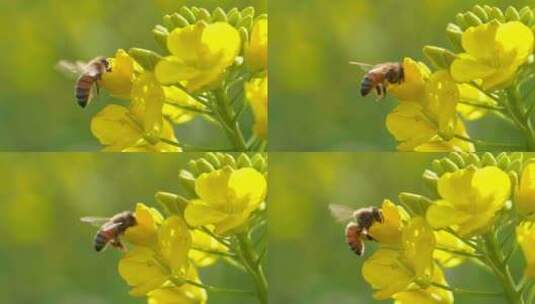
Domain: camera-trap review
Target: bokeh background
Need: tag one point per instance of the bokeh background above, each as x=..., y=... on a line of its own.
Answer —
x=315, y=104
x=309, y=260
x=37, y=105
x=46, y=253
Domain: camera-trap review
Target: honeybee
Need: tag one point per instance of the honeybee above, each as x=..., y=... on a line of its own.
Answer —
x=110, y=229
x=89, y=75
x=378, y=77
x=360, y=222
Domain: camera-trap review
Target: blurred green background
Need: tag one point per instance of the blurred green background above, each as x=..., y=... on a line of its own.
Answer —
x=46, y=253
x=315, y=104
x=37, y=104
x=309, y=260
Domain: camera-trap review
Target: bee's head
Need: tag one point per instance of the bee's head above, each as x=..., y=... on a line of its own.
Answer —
x=106, y=64
x=378, y=215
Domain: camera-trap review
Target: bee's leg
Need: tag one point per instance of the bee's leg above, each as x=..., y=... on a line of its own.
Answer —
x=367, y=235
x=384, y=91
x=118, y=244
x=380, y=89
x=98, y=87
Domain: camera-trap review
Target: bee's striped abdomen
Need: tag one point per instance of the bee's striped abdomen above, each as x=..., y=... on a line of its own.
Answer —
x=101, y=240
x=366, y=86
x=353, y=238
x=83, y=89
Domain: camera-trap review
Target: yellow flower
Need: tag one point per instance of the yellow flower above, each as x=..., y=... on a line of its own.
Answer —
x=412, y=88
x=177, y=102
x=494, y=51
x=202, y=244
x=448, y=242
x=429, y=295
x=472, y=95
x=200, y=55
x=393, y=271
x=438, y=144
x=257, y=49
x=470, y=198
x=525, y=236
x=144, y=233
x=429, y=121
x=121, y=77
x=256, y=91
x=142, y=270
x=226, y=198
x=147, y=269
x=395, y=218
x=525, y=192
x=185, y=294
x=120, y=129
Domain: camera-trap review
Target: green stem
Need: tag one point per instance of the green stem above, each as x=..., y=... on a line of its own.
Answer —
x=226, y=115
x=467, y=291
x=250, y=259
x=501, y=269
x=515, y=107
x=482, y=106
x=489, y=144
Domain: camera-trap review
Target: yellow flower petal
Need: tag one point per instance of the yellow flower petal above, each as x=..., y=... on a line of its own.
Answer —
x=142, y=271
x=413, y=86
x=144, y=233
x=384, y=272
x=115, y=127
x=389, y=232
x=185, y=294
x=525, y=193
x=119, y=80
x=410, y=126
x=256, y=92
x=418, y=244
x=174, y=240
x=525, y=235
x=447, y=242
x=257, y=49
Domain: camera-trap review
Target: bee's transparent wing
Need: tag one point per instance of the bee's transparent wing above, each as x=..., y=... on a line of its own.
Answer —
x=341, y=213
x=363, y=66
x=94, y=220
x=70, y=69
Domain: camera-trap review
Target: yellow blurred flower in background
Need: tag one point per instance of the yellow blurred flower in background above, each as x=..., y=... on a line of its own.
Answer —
x=200, y=55
x=256, y=92
x=257, y=49
x=525, y=236
x=144, y=233
x=470, y=199
x=494, y=51
x=121, y=77
x=525, y=192
x=226, y=198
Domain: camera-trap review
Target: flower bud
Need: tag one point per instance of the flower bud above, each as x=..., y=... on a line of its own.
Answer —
x=417, y=203
x=472, y=19
x=448, y=165
x=168, y=22
x=461, y=22
x=511, y=14
x=179, y=21
x=160, y=35
x=457, y=159
x=244, y=161
x=455, y=35
x=481, y=13
x=187, y=14
x=187, y=182
x=437, y=167
x=526, y=17
x=229, y=161
x=246, y=22
x=173, y=203
x=146, y=58
x=473, y=159
x=431, y=181
x=204, y=166
x=219, y=15
x=516, y=166
x=439, y=57
x=503, y=161
x=213, y=160
x=497, y=14
x=259, y=163
x=233, y=17
x=192, y=167
x=248, y=11
x=204, y=14
x=488, y=160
